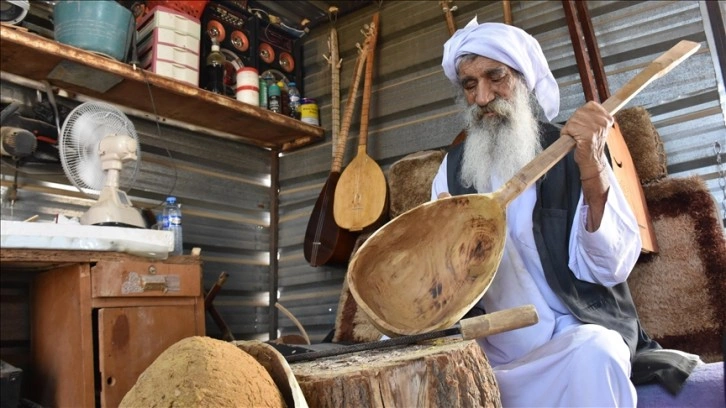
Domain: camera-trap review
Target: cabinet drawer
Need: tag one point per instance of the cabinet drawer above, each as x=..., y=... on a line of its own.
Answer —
x=145, y=279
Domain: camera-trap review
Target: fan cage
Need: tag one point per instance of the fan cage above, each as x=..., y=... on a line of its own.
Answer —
x=81, y=133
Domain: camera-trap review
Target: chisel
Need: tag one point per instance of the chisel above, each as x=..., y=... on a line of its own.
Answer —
x=471, y=328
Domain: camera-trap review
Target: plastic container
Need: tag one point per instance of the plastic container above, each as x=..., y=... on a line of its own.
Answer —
x=192, y=8
x=152, y=36
x=170, y=53
x=159, y=222
x=172, y=220
x=263, y=93
x=248, y=86
x=171, y=69
x=293, y=97
x=284, y=106
x=104, y=27
x=266, y=79
x=162, y=17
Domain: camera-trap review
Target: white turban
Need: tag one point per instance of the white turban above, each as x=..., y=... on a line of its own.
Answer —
x=509, y=45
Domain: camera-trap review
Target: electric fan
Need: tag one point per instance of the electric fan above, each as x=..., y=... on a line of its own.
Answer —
x=95, y=141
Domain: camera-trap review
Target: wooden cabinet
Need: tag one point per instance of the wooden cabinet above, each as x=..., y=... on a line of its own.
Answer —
x=97, y=322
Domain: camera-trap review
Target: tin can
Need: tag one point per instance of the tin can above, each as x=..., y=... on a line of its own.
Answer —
x=309, y=112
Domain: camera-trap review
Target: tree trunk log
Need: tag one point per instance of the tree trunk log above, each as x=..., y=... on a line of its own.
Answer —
x=444, y=373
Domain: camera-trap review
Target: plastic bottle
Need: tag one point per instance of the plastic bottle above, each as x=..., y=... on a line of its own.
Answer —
x=263, y=93
x=284, y=108
x=274, y=103
x=159, y=222
x=215, y=69
x=293, y=95
x=172, y=219
x=266, y=79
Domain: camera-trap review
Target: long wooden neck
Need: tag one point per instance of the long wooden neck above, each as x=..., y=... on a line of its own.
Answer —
x=349, y=104
x=335, y=62
x=447, y=8
x=557, y=150
x=366, y=104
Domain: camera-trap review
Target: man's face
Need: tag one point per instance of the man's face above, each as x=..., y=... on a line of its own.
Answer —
x=501, y=126
x=487, y=83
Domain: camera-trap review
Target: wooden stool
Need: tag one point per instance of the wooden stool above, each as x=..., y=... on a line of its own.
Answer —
x=441, y=373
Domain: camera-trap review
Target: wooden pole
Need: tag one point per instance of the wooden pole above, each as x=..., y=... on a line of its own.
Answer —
x=507, y=11
x=595, y=88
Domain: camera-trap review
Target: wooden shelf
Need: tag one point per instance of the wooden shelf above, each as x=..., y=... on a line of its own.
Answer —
x=75, y=70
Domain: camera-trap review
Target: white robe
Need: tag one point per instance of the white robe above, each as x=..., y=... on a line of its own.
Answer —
x=560, y=361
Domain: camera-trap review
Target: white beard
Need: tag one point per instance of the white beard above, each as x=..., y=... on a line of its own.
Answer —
x=499, y=146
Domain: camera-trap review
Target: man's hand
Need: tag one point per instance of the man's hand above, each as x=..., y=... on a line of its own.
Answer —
x=443, y=195
x=590, y=126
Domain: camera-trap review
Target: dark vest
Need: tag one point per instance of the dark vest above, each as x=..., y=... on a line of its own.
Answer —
x=558, y=193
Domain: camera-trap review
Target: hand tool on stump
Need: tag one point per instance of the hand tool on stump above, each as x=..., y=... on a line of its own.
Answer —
x=471, y=328
x=452, y=247
x=209, y=307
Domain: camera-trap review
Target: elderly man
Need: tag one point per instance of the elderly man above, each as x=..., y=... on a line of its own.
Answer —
x=572, y=238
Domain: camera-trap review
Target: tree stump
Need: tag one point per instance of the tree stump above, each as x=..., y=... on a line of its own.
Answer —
x=443, y=373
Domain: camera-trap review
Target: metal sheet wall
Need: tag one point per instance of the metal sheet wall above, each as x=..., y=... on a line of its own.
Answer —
x=412, y=105
x=224, y=188
x=224, y=185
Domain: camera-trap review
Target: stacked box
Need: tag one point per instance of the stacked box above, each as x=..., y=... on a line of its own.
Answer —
x=168, y=44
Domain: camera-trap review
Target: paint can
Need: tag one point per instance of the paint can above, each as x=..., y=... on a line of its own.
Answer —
x=248, y=86
x=309, y=112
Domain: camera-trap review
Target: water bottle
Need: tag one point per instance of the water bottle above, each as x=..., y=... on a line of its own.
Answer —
x=159, y=222
x=293, y=95
x=172, y=219
x=273, y=98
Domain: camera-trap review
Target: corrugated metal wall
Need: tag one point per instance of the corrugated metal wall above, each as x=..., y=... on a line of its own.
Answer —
x=224, y=188
x=412, y=105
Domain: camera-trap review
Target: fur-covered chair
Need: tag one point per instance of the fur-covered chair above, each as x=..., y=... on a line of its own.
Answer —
x=680, y=292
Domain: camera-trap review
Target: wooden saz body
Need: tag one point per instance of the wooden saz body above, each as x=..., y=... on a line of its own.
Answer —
x=325, y=242
x=362, y=194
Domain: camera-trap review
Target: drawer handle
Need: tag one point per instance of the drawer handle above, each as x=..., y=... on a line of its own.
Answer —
x=150, y=283
x=137, y=283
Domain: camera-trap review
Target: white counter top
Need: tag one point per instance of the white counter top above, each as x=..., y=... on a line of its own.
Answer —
x=39, y=235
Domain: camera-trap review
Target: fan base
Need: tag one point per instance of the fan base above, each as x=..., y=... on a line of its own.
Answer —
x=107, y=213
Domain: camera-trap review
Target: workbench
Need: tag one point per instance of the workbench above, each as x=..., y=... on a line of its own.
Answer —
x=99, y=319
